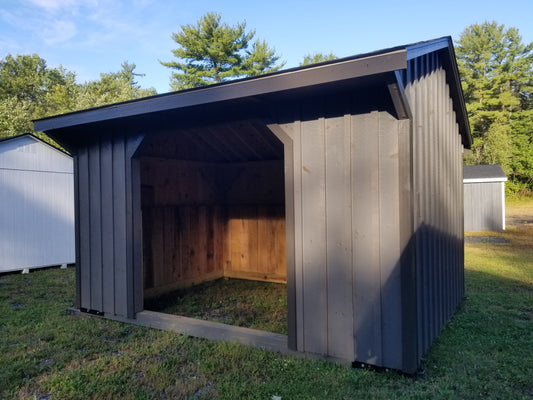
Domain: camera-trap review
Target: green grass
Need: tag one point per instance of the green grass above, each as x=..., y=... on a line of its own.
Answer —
x=486, y=351
x=257, y=305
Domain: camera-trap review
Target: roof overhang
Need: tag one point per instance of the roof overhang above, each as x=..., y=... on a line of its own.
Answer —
x=378, y=68
x=290, y=80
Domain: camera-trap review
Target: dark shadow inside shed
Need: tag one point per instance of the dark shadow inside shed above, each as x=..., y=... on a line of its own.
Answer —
x=213, y=206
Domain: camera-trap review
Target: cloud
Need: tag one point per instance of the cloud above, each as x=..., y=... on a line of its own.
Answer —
x=59, y=31
x=53, y=5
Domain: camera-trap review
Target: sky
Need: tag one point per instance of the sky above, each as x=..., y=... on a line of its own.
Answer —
x=90, y=37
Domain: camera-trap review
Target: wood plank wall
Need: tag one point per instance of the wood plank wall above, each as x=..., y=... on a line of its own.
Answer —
x=105, y=233
x=203, y=221
x=438, y=197
x=346, y=230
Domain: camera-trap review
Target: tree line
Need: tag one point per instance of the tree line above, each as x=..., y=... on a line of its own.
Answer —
x=496, y=71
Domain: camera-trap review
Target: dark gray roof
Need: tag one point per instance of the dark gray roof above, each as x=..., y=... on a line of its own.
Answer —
x=484, y=172
x=376, y=66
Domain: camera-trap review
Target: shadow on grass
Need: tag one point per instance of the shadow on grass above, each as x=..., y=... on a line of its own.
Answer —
x=250, y=304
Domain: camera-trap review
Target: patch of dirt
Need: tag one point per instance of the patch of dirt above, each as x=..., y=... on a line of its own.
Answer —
x=486, y=239
x=517, y=220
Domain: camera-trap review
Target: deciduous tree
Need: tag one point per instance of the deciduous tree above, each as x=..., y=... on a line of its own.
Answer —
x=111, y=88
x=316, y=58
x=30, y=90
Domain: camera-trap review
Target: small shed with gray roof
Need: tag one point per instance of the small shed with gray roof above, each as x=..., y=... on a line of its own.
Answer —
x=484, y=198
x=342, y=179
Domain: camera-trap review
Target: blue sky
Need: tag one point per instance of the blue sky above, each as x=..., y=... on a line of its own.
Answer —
x=93, y=36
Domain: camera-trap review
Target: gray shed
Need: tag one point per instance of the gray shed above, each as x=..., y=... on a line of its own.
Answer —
x=37, y=204
x=484, y=192
x=343, y=179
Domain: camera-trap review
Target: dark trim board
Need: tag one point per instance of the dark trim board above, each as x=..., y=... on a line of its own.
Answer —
x=311, y=76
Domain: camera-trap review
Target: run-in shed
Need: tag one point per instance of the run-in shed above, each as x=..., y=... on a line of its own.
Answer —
x=343, y=178
x=484, y=192
x=36, y=204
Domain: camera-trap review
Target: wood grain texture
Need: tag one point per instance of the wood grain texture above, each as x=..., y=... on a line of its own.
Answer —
x=389, y=242
x=339, y=236
x=314, y=231
x=186, y=243
x=366, y=225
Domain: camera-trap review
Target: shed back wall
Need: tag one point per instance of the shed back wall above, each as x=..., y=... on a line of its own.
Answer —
x=204, y=220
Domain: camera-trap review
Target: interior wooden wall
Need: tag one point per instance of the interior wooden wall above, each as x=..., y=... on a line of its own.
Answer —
x=203, y=221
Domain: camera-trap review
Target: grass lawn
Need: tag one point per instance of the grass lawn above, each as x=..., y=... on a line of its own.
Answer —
x=251, y=304
x=486, y=351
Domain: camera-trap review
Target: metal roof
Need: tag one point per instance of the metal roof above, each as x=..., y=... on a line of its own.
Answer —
x=370, y=68
x=484, y=173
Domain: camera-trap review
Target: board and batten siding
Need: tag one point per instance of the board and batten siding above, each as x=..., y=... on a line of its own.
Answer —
x=108, y=232
x=372, y=157
x=437, y=195
x=373, y=214
x=346, y=196
x=37, y=213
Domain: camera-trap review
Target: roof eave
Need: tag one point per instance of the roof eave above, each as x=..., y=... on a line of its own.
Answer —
x=266, y=84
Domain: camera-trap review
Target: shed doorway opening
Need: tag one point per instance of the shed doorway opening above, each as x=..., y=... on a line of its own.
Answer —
x=213, y=217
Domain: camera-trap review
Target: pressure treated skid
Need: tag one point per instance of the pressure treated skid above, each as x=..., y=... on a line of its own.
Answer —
x=344, y=178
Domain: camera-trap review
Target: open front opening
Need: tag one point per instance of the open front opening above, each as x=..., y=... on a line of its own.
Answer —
x=213, y=215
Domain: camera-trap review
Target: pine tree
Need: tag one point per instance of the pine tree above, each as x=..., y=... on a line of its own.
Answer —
x=213, y=52
x=497, y=75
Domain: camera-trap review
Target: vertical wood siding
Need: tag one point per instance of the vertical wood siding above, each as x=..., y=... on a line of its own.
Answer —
x=346, y=226
x=438, y=197
x=107, y=238
x=206, y=220
x=374, y=219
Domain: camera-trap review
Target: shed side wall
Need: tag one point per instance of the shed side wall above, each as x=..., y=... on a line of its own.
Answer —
x=107, y=238
x=483, y=206
x=346, y=225
x=438, y=197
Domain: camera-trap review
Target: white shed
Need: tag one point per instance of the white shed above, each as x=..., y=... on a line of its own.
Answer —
x=484, y=197
x=36, y=204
